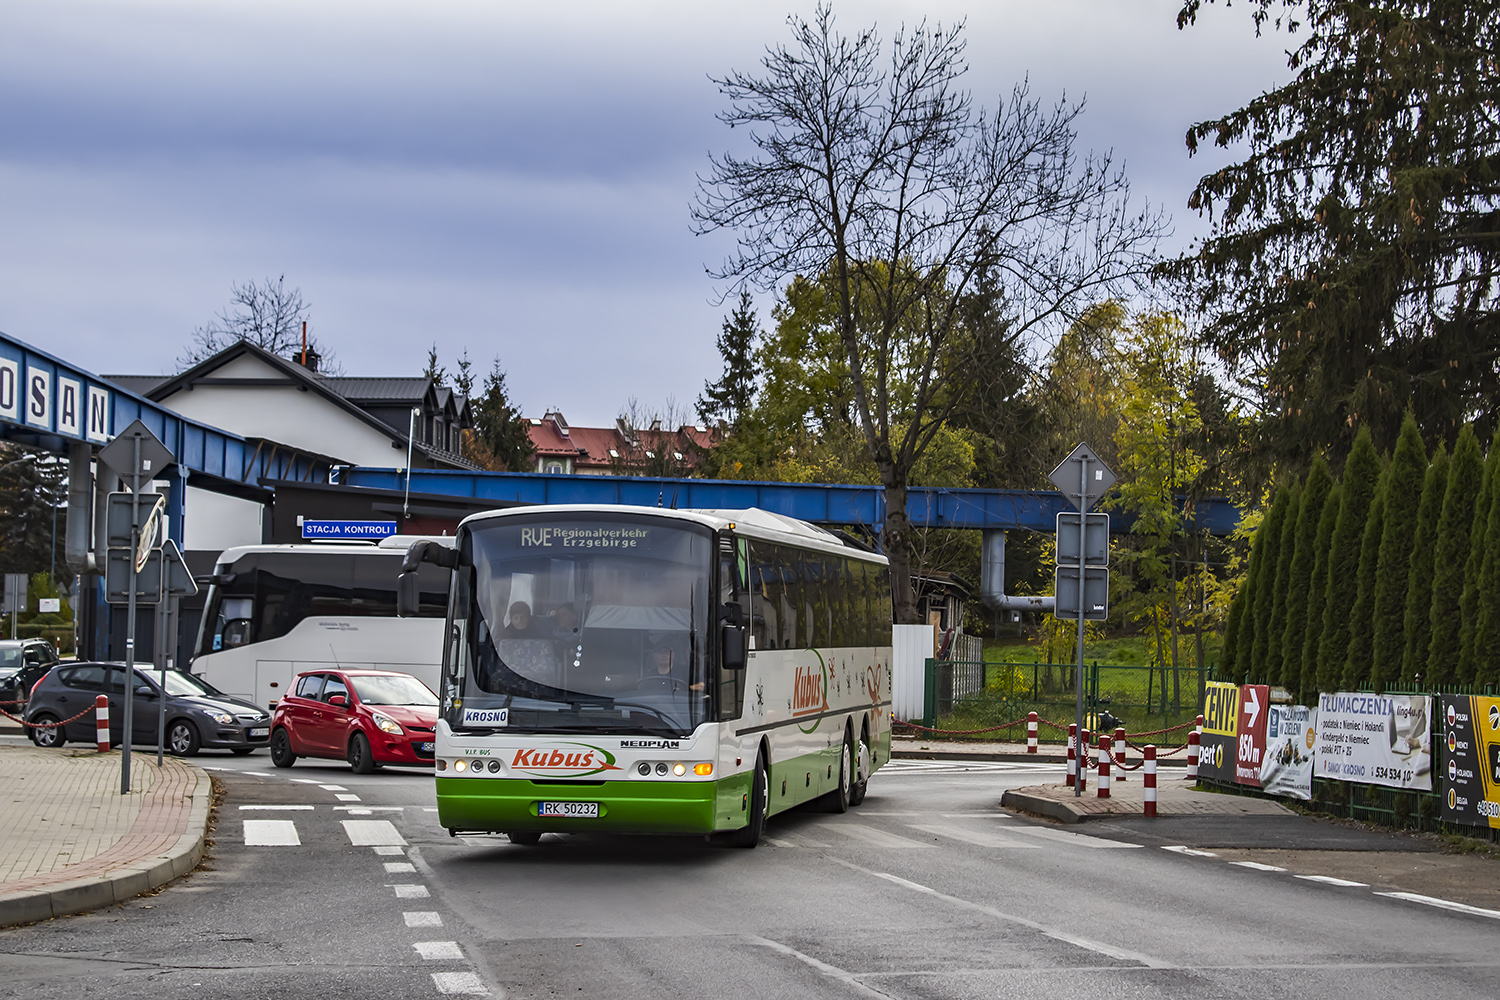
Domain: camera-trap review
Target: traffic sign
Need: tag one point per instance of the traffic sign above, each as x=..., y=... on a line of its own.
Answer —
x=348, y=529
x=1093, y=590
x=1082, y=539
x=136, y=467
x=15, y=593
x=1082, y=477
x=179, y=582
x=118, y=567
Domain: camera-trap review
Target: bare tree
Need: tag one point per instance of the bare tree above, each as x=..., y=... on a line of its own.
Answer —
x=268, y=315
x=885, y=182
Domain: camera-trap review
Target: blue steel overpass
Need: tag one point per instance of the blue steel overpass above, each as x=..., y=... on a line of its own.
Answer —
x=820, y=503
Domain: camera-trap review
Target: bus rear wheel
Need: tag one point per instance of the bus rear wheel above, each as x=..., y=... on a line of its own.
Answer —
x=760, y=793
x=528, y=838
x=839, y=800
x=862, y=769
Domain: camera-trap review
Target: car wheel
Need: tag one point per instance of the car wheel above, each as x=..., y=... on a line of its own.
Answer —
x=47, y=734
x=361, y=757
x=528, y=838
x=760, y=798
x=182, y=739
x=281, y=749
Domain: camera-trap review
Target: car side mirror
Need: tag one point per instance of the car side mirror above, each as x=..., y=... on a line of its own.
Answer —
x=338, y=700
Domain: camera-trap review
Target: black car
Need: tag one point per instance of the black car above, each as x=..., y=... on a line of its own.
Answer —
x=199, y=716
x=22, y=664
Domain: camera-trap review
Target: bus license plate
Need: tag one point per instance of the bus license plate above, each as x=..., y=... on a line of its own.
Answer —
x=259, y=732
x=570, y=810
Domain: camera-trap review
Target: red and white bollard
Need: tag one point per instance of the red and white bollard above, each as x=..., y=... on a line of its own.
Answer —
x=1120, y=751
x=1192, y=767
x=1104, y=755
x=1148, y=787
x=1072, y=754
x=1083, y=759
x=101, y=722
x=1031, y=732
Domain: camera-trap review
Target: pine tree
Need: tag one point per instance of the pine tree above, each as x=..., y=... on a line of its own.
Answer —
x=501, y=436
x=1361, y=618
x=1478, y=536
x=1284, y=556
x=733, y=395
x=1417, y=627
x=1450, y=552
x=1232, y=641
x=1486, y=642
x=1268, y=542
x=1317, y=595
x=1403, y=495
x=1305, y=534
x=1361, y=477
x=463, y=376
x=1244, y=656
x=434, y=371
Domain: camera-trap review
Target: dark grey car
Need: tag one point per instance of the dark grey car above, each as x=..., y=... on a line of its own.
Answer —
x=22, y=663
x=199, y=716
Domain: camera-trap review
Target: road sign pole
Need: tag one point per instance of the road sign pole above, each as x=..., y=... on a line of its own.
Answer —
x=129, y=696
x=1083, y=506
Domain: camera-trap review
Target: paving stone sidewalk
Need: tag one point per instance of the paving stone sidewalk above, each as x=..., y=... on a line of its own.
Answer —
x=69, y=841
x=1175, y=796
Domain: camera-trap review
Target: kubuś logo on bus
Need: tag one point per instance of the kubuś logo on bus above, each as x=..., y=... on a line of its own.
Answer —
x=573, y=759
x=810, y=693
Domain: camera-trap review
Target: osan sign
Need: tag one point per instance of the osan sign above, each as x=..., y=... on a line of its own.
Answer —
x=43, y=395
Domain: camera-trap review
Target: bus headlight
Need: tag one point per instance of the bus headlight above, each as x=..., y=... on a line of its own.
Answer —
x=460, y=765
x=386, y=724
x=679, y=769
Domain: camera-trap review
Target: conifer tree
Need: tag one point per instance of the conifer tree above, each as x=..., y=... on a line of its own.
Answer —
x=1486, y=642
x=1450, y=552
x=1232, y=643
x=1361, y=477
x=1268, y=541
x=1403, y=496
x=1284, y=556
x=1478, y=535
x=1417, y=628
x=1245, y=648
x=1361, y=618
x=1317, y=594
x=1305, y=535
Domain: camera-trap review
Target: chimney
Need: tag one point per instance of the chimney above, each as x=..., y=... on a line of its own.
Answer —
x=308, y=358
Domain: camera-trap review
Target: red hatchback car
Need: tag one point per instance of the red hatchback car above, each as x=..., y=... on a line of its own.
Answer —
x=367, y=717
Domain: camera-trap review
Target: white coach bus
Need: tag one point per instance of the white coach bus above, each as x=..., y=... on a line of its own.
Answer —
x=273, y=611
x=640, y=670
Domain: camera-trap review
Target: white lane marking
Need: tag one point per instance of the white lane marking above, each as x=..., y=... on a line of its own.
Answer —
x=985, y=815
x=372, y=832
x=257, y=774
x=1179, y=849
x=347, y=797
x=307, y=781
x=355, y=812
x=466, y=983
x=333, y=788
x=1257, y=866
x=271, y=833
x=1124, y=954
x=489, y=841
x=832, y=971
x=367, y=809
x=400, y=868
x=1071, y=839
x=386, y=850
x=1330, y=880
x=411, y=891
x=778, y=842
x=422, y=918
x=1447, y=904
x=275, y=808
x=878, y=838
x=429, y=809
x=438, y=951
x=975, y=837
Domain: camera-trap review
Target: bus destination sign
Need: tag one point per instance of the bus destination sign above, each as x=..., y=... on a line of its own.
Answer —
x=327, y=530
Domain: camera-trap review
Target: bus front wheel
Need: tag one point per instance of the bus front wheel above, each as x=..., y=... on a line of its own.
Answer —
x=760, y=793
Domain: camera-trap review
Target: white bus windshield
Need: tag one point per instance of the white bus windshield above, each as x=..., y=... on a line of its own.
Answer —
x=583, y=624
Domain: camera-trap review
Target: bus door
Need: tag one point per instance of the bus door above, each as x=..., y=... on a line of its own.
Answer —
x=273, y=681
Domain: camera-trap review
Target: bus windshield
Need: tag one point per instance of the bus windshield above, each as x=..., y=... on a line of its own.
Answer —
x=580, y=623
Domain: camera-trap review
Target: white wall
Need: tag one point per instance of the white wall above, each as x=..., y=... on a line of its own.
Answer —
x=912, y=647
x=215, y=522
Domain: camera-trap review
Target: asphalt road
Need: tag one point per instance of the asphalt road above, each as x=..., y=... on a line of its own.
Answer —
x=326, y=884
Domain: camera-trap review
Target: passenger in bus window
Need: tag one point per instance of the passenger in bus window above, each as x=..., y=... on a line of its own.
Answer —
x=522, y=626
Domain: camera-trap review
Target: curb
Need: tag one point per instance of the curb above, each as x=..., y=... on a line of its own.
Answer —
x=1019, y=758
x=123, y=883
x=1042, y=806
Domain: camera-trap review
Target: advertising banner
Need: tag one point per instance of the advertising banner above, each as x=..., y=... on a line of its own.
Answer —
x=1374, y=739
x=1250, y=741
x=1221, y=710
x=1287, y=766
x=1471, y=786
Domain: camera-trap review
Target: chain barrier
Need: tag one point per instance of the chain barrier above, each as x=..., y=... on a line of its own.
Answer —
x=46, y=725
x=1059, y=726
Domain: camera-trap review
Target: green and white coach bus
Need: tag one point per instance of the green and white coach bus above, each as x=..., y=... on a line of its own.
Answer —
x=640, y=670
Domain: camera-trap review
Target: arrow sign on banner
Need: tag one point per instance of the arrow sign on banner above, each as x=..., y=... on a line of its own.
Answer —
x=1252, y=705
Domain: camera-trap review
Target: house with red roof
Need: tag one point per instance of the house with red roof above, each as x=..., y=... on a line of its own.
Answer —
x=618, y=450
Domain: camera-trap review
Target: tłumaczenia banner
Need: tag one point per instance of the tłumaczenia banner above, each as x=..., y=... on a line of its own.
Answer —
x=1375, y=739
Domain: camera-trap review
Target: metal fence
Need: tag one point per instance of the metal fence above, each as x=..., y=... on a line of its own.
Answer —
x=967, y=695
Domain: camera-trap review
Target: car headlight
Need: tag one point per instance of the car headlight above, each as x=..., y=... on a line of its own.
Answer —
x=222, y=718
x=386, y=724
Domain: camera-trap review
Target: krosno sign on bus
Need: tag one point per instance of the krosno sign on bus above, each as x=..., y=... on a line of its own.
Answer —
x=347, y=529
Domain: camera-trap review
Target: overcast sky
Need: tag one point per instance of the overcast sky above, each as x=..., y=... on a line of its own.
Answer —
x=511, y=178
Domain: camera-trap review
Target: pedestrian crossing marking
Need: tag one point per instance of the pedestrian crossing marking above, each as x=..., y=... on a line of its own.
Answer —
x=411, y=891
x=372, y=832
x=1071, y=839
x=438, y=951
x=464, y=983
x=878, y=838
x=400, y=868
x=976, y=837
x=422, y=918
x=271, y=833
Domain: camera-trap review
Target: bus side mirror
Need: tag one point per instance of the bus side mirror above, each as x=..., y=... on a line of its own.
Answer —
x=408, y=594
x=732, y=636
